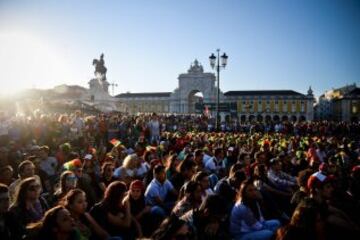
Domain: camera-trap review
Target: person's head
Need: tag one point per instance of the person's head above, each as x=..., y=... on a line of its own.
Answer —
x=172, y=228
x=28, y=191
x=199, y=155
x=248, y=193
x=114, y=195
x=4, y=198
x=260, y=157
x=136, y=189
x=68, y=181
x=172, y=162
x=202, y=178
x=303, y=177
x=159, y=173
x=44, y=152
x=237, y=178
x=75, y=166
x=26, y=169
x=306, y=214
x=275, y=164
x=320, y=186
x=192, y=191
x=219, y=153
x=75, y=201
x=6, y=174
x=56, y=221
x=210, y=209
x=187, y=168
x=107, y=170
x=131, y=161
x=245, y=159
x=260, y=171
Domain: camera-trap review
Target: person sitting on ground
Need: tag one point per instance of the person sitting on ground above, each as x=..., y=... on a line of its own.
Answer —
x=279, y=179
x=190, y=200
x=113, y=212
x=206, y=222
x=158, y=192
x=305, y=223
x=57, y=224
x=203, y=178
x=28, y=206
x=75, y=202
x=172, y=228
x=247, y=220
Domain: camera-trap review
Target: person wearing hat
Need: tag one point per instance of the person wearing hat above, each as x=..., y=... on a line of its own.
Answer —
x=139, y=210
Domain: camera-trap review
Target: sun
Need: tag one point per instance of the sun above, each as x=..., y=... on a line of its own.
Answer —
x=29, y=61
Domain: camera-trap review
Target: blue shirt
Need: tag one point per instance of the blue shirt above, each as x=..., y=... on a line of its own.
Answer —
x=156, y=189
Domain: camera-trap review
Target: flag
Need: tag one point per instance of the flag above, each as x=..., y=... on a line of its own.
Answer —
x=115, y=142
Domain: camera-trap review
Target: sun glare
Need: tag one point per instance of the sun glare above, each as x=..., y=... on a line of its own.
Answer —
x=27, y=61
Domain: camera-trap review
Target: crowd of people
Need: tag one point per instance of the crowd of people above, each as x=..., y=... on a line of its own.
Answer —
x=116, y=176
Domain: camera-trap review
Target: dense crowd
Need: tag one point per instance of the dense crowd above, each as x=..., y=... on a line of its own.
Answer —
x=114, y=176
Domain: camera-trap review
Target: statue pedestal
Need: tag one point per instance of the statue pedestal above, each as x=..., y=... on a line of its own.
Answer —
x=99, y=96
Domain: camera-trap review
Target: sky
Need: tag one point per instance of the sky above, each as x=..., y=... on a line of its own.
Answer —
x=277, y=44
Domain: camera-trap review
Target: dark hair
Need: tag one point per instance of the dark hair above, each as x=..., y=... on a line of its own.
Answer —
x=113, y=194
x=198, y=152
x=23, y=164
x=303, y=222
x=158, y=169
x=218, y=151
x=20, y=195
x=104, y=166
x=186, y=164
x=303, y=177
x=70, y=197
x=63, y=180
x=242, y=196
x=213, y=205
x=199, y=176
x=168, y=228
x=3, y=188
x=45, y=227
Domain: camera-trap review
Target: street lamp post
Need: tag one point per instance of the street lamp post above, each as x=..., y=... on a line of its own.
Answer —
x=216, y=64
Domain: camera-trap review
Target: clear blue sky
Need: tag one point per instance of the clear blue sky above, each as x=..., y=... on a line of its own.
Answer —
x=279, y=44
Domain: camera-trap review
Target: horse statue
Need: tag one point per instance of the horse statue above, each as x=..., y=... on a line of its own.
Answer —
x=100, y=69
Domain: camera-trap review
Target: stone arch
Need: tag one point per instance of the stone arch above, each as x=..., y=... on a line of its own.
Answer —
x=251, y=118
x=276, y=118
x=302, y=118
x=267, y=118
x=259, y=118
x=293, y=118
x=285, y=118
x=194, y=97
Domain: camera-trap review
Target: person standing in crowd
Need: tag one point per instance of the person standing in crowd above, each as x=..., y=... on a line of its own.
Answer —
x=247, y=219
x=154, y=127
